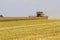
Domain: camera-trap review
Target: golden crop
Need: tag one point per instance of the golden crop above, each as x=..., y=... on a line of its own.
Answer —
x=30, y=30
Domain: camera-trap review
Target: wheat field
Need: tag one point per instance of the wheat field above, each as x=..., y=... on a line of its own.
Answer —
x=30, y=30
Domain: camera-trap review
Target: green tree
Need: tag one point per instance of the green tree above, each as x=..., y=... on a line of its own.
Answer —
x=1, y=15
x=40, y=14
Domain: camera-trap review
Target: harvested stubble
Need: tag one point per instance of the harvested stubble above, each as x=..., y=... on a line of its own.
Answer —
x=47, y=30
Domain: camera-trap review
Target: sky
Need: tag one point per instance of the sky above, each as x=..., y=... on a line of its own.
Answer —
x=20, y=8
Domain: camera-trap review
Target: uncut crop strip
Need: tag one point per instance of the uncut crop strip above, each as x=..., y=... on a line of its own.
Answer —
x=30, y=25
x=21, y=18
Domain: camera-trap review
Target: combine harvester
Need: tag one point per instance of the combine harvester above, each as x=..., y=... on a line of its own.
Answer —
x=39, y=15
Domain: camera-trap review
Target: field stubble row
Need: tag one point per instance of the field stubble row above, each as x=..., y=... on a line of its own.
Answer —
x=49, y=31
